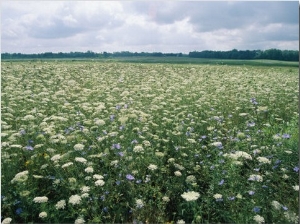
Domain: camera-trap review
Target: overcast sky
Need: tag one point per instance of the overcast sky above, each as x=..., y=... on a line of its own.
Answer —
x=149, y=26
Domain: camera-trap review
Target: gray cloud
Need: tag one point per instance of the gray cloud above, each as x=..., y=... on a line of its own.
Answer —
x=147, y=26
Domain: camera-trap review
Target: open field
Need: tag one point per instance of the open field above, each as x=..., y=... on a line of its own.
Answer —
x=180, y=60
x=107, y=141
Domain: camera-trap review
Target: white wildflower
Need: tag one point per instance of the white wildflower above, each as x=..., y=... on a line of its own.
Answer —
x=166, y=199
x=6, y=220
x=177, y=173
x=43, y=215
x=218, y=197
x=89, y=170
x=20, y=177
x=80, y=159
x=263, y=160
x=98, y=177
x=60, y=204
x=152, y=167
x=79, y=221
x=85, y=189
x=43, y=199
x=67, y=164
x=259, y=219
x=190, y=196
x=99, y=183
x=255, y=177
x=78, y=147
x=276, y=205
x=55, y=157
x=138, y=148
x=139, y=203
x=75, y=199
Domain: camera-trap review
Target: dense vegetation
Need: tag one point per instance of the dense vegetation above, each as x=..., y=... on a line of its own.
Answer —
x=272, y=54
x=110, y=142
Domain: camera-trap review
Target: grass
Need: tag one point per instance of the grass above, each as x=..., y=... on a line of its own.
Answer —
x=114, y=142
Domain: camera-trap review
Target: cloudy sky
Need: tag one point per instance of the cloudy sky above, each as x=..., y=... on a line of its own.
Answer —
x=149, y=26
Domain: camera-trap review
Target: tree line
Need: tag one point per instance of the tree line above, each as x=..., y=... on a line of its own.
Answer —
x=271, y=54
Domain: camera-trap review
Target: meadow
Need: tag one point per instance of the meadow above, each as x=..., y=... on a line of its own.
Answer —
x=115, y=142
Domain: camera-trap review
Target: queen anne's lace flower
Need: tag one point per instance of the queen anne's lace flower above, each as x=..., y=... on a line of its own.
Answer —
x=75, y=199
x=43, y=215
x=60, y=204
x=152, y=167
x=259, y=219
x=43, y=199
x=190, y=196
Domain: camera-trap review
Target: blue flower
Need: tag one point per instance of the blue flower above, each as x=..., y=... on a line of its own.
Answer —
x=22, y=132
x=221, y=182
x=129, y=177
x=284, y=208
x=286, y=136
x=138, y=181
x=19, y=211
x=116, y=146
x=112, y=117
x=29, y=147
x=105, y=209
x=256, y=209
x=296, y=169
x=134, y=141
x=253, y=101
x=251, y=192
x=231, y=198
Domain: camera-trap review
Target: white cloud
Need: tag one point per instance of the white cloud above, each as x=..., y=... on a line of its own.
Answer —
x=147, y=26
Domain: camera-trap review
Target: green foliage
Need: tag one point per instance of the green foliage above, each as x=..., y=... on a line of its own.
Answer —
x=111, y=142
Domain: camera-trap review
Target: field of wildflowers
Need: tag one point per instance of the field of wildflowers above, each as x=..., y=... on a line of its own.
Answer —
x=109, y=142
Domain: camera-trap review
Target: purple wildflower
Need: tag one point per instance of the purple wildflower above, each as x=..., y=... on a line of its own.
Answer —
x=253, y=101
x=105, y=209
x=251, y=192
x=286, y=136
x=116, y=146
x=231, y=198
x=256, y=209
x=112, y=117
x=19, y=211
x=134, y=141
x=284, y=208
x=296, y=169
x=221, y=182
x=29, y=147
x=22, y=132
x=129, y=177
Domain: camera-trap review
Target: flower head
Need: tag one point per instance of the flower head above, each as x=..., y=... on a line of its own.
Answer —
x=60, y=204
x=259, y=219
x=139, y=203
x=78, y=147
x=218, y=197
x=129, y=177
x=152, y=167
x=190, y=196
x=75, y=199
x=43, y=199
x=43, y=215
